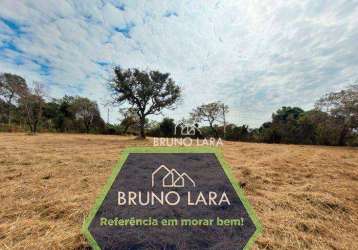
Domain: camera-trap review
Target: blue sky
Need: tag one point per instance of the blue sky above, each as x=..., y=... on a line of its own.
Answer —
x=256, y=56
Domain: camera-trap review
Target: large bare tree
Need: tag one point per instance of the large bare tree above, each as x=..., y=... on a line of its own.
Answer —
x=146, y=93
x=85, y=111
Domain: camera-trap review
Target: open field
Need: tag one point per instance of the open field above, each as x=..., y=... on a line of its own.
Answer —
x=305, y=196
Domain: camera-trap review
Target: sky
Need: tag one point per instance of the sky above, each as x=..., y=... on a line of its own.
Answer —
x=255, y=56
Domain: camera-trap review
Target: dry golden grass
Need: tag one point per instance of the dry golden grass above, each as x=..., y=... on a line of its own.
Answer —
x=305, y=196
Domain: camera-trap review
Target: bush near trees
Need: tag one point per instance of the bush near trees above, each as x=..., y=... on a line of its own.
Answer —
x=333, y=121
x=237, y=133
x=167, y=127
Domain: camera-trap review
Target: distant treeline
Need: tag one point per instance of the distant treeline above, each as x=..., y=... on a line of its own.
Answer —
x=289, y=125
x=333, y=121
x=23, y=107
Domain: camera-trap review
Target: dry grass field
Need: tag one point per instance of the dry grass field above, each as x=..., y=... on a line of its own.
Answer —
x=305, y=196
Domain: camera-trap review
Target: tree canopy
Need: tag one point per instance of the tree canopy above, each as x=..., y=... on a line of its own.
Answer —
x=343, y=107
x=146, y=93
x=333, y=121
x=12, y=87
x=212, y=112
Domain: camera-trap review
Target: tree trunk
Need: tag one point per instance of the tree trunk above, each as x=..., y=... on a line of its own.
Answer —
x=342, y=136
x=125, y=130
x=87, y=128
x=214, y=130
x=9, y=116
x=30, y=126
x=35, y=128
x=9, y=109
x=224, y=118
x=142, y=123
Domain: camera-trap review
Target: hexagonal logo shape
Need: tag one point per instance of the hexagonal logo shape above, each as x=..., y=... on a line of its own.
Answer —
x=171, y=198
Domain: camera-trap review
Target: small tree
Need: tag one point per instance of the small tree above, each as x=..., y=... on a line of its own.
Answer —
x=211, y=113
x=12, y=87
x=146, y=93
x=32, y=104
x=130, y=119
x=285, y=125
x=167, y=127
x=85, y=111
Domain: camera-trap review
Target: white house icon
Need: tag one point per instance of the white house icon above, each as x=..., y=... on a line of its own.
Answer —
x=172, y=178
x=186, y=129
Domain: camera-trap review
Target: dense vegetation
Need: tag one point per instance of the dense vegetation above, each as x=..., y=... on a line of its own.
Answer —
x=21, y=105
x=333, y=121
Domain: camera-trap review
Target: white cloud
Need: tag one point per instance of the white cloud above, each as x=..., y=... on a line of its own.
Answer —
x=253, y=55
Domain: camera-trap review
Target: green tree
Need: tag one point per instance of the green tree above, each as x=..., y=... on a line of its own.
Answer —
x=66, y=118
x=72, y=113
x=307, y=128
x=167, y=127
x=269, y=133
x=59, y=114
x=320, y=128
x=3, y=111
x=342, y=106
x=146, y=93
x=51, y=114
x=285, y=127
x=237, y=133
x=12, y=87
